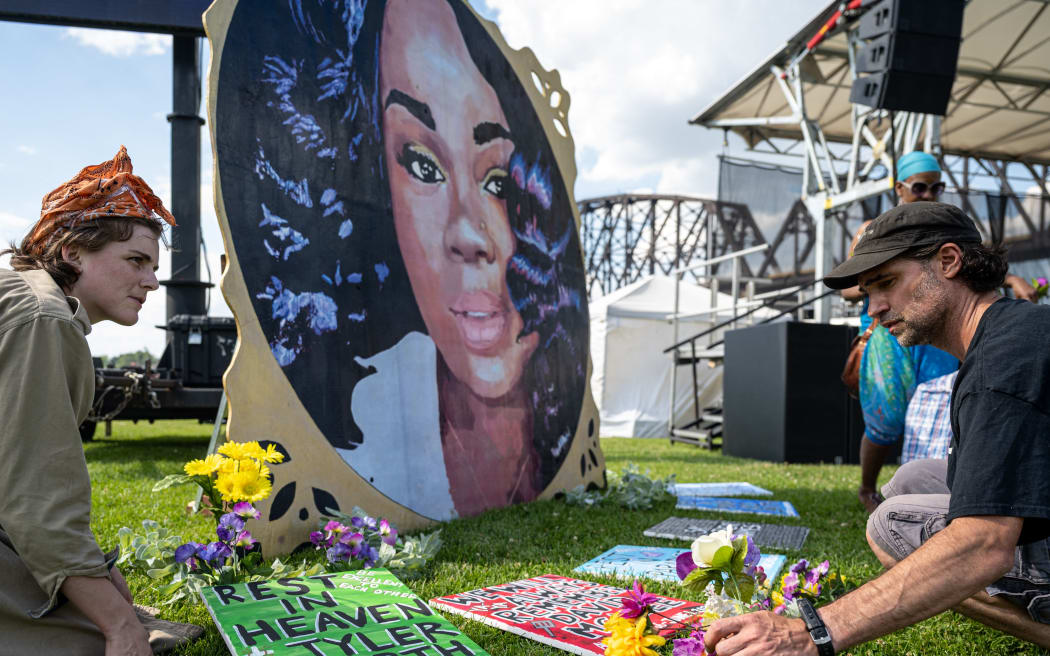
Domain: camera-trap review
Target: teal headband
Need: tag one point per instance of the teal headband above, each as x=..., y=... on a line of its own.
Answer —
x=916, y=162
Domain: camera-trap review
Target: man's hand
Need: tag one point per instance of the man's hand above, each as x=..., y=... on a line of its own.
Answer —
x=1021, y=288
x=759, y=634
x=120, y=584
x=870, y=498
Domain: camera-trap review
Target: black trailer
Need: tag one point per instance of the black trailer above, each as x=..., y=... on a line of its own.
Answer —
x=187, y=381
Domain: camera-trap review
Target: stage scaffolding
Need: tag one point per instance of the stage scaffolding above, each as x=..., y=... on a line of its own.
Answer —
x=995, y=136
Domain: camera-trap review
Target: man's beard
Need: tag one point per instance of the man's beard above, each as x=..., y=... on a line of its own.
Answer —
x=927, y=314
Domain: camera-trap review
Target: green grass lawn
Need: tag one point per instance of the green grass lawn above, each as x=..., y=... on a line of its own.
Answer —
x=533, y=539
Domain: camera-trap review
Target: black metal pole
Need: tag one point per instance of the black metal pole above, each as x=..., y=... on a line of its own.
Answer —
x=185, y=290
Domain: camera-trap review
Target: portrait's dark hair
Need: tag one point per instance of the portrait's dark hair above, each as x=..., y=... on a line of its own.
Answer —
x=336, y=287
x=983, y=267
x=88, y=236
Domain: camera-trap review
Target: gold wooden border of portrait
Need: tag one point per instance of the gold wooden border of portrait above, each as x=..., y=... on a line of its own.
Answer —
x=255, y=380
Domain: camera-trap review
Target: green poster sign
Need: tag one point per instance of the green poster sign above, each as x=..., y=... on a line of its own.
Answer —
x=358, y=613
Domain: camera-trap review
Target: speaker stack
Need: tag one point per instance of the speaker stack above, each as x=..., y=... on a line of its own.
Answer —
x=910, y=55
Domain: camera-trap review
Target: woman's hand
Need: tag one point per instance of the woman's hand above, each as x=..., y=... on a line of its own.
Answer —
x=102, y=602
x=120, y=584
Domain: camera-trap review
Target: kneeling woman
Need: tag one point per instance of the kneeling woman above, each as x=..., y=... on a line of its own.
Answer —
x=91, y=257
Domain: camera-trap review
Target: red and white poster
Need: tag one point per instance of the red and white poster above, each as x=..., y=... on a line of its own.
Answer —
x=565, y=613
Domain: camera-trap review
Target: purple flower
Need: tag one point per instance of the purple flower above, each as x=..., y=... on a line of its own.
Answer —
x=229, y=525
x=800, y=566
x=388, y=532
x=369, y=554
x=338, y=553
x=752, y=557
x=364, y=522
x=187, y=554
x=684, y=564
x=636, y=602
x=824, y=567
x=353, y=542
x=691, y=646
x=245, y=510
x=1042, y=282
x=334, y=527
x=215, y=553
x=316, y=538
x=760, y=575
x=244, y=539
x=789, y=586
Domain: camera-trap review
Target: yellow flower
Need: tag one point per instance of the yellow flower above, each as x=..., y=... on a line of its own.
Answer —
x=227, y=466
x=224, y=484
x=271, y=454
x=205, y=467
x=243, y=486
x=249, y=486
x=253, y=466
x=630, y=637
x=239, y=450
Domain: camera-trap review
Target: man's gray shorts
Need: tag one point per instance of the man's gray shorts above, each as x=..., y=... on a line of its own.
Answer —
x=916, y=507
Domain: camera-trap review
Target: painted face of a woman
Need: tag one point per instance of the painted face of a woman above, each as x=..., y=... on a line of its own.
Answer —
x=446, y=145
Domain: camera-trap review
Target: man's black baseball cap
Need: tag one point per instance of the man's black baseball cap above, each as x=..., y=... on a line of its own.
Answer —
x=901, y=229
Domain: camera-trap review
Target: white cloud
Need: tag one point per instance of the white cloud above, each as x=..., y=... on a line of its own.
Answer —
x=119, y=43
x=28, y=150
x=637, y=71
x=12, y=223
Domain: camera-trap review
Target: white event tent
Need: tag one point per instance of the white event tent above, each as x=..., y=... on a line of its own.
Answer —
x=631, y=380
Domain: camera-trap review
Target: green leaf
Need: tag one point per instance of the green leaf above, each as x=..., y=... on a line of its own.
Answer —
x=170, y=480
x=722, y=558
x=159, y=573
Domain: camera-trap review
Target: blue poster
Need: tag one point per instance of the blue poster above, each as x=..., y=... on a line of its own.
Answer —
x=752, y=506
x=657, y=563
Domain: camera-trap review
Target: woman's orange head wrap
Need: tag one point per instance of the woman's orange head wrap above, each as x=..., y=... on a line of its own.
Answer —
x=106, y=190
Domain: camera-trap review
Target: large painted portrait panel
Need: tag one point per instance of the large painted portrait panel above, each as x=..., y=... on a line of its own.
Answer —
x=395, y=188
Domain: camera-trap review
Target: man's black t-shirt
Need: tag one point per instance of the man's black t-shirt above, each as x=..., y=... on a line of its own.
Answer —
x=999, y=461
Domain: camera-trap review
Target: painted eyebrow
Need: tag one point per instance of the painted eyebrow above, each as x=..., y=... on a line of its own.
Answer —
x=416, y=108
x=147, y=257
x=487, y=131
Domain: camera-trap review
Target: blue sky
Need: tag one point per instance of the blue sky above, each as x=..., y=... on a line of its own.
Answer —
x=636, y=72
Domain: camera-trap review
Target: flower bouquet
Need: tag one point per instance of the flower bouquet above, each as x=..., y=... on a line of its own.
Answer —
x=1042, y=286
x=359, y=541
x=723, y=568
x=237, y=473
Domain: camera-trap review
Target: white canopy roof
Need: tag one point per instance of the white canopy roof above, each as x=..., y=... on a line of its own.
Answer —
x=653, y=298
x=1000, y=104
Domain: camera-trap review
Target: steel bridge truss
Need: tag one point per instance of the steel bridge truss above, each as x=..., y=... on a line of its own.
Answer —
x=628, y=236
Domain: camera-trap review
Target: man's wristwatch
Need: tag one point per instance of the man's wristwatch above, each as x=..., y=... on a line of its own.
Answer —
x=816, y=628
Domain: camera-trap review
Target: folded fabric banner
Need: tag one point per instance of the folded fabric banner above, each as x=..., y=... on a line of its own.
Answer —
x=359, y=612
x=657, y=563
x=752, y=506
x=736, y=489
x=561, y=612
x=776, y=536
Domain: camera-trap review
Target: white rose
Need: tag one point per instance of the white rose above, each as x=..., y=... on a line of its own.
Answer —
x=705, y=546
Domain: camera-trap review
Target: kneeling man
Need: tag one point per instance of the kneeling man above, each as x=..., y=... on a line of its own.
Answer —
x=970, y=532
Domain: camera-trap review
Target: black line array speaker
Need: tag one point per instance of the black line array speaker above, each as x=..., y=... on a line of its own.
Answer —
x=910, y=55
x=782, y=395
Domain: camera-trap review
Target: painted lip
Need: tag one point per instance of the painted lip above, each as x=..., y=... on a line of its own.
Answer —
x=482, y=319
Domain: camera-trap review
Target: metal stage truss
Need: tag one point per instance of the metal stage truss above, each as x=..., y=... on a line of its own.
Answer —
x=796, y=103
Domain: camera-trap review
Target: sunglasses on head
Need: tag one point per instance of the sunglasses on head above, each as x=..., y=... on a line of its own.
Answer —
x=920, y=188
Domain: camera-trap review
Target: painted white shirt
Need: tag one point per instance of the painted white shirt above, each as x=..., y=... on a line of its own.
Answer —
x=397, y=411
